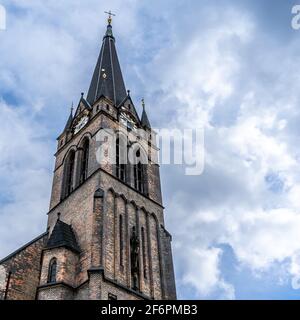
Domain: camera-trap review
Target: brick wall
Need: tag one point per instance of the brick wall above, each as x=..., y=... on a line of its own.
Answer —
x=25, y=266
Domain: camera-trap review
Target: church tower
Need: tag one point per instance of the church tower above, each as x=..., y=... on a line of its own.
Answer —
x=106, y=236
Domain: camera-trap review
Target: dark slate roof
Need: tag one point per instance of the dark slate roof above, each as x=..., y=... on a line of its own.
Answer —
x=62, y=236
x=69, y=122
x=107, y=78
x=144, y=120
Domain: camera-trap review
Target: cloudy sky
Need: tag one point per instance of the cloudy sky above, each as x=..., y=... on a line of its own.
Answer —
x=229, y=66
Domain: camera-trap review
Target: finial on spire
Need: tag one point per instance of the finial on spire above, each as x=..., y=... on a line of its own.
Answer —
x=72, y=107
x=109, y=20
x=82, y=94
x=128, y=93
x=143, y=103
x=58, y=216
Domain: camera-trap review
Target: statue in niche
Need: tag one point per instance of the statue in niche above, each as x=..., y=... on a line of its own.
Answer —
x=135, y=249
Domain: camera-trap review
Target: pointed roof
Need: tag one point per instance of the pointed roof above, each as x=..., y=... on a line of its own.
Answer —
x=128, y=104
x=69, y=122
x=107, y=78
x=85, y=102
x=82, y=104
x=144, y=120
x=62, y=236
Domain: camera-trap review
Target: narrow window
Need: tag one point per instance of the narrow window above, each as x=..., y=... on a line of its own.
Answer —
x=120, y=160
x=139, y=175
x=144, y=252
x=84, y=161
x=121, y=238
x=52, y=271
x=69, y=174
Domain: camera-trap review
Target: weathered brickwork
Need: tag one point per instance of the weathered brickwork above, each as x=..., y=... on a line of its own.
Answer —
x=55, y=292
x=25, y=267
x=67, y=266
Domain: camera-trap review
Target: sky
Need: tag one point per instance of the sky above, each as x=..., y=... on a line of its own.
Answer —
x=229, y=66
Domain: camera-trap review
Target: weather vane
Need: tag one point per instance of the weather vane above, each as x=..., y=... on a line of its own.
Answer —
x=109, y=16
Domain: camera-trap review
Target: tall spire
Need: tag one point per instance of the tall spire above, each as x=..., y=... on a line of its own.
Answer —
x=107, y=78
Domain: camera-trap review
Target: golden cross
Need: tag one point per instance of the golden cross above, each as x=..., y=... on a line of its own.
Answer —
x=109, y=16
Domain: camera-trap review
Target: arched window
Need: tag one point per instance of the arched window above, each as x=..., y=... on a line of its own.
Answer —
x=84, y=161
x=121, y=159
x=139, y=174
x=52, y=271
x=69, y=174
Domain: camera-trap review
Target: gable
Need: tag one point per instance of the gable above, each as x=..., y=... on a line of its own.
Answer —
x=128, y=108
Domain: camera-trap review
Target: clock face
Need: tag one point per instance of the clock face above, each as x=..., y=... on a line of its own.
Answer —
x=82, y=122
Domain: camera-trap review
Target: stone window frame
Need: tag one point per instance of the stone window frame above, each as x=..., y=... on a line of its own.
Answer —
x=121, y=148
x=52, y=271
x=68, y=174
x=84, y=159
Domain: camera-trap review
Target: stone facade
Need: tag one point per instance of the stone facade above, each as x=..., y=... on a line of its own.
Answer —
x=110, y=238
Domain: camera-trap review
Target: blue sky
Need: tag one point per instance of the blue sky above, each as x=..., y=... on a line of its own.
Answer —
x=230, y=66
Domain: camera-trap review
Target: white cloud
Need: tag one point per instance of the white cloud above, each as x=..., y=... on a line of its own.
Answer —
x=203, y=272
x=233, y=202
x=25, y=176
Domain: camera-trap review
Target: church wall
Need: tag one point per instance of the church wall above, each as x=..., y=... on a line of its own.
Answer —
x=156, y=271
x=109, y=235
x=154, y=188
x=78, y=211
x=138, y=218
x=25, y=267
x=107, y=182
x=97, y=236
x=131, y=223
x=154, y=183
x=102, y=288
x=166, y=249
x=145, y=270
x=82, y=293
x=56, y=292
x=88, y=131
x=121, y=294
x=121, y=264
